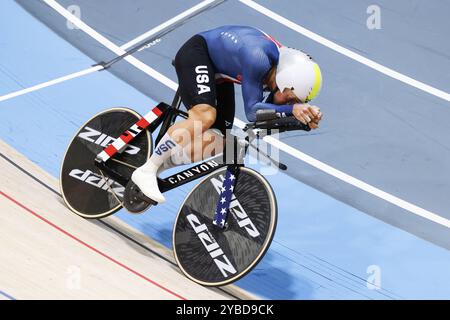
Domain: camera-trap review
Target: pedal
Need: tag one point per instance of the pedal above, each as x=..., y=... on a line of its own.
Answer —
x=134, y=200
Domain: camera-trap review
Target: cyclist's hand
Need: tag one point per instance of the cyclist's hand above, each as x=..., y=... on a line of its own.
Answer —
x=307, y=114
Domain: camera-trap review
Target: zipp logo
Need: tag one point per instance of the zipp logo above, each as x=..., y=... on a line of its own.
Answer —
x=219, y=258
x=104, y=140
x=237, y=210
x=164, y=147
x=98, y=181
x=243, y=220
x=202, y=77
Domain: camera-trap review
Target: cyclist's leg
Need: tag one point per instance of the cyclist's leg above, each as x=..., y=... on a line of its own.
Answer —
x=211, y=142
x=195, y=72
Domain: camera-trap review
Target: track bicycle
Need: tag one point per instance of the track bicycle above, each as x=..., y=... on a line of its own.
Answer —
x=224, y=225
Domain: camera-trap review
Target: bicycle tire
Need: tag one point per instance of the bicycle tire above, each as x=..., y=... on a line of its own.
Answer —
x=100, y=197
x=241, y=250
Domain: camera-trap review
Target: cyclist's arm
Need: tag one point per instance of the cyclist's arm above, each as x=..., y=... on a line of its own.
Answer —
x=252, y=104
x=252, y=86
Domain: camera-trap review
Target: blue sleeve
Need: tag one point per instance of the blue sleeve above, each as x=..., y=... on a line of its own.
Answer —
x=257, y=64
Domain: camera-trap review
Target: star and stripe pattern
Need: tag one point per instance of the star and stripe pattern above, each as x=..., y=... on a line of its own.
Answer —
x=129, y=135
x=226, y=194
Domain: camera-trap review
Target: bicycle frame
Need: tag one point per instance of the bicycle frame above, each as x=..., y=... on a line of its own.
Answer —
x=165, y=115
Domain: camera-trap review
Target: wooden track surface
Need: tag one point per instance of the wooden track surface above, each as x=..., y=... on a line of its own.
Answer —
x=47, y=252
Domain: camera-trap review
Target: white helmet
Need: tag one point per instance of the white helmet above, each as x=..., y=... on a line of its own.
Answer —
x=297, y=71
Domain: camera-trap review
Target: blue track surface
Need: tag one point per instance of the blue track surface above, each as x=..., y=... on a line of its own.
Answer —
x=322, y=248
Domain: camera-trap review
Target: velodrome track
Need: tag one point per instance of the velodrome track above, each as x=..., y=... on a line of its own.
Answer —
x=393, y=130
x=384, y=130
x=52, y=254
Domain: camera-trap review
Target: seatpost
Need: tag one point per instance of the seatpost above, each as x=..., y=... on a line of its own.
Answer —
x=170, y=116
x=176, y=102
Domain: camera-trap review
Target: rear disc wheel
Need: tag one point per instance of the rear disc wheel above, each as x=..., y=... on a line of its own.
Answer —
x=86, y=190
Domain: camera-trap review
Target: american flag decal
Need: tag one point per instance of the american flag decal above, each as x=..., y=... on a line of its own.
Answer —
x=226, y=193
x=129, y=135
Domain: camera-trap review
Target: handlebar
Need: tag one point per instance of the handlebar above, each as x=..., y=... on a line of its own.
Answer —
x=270, y=119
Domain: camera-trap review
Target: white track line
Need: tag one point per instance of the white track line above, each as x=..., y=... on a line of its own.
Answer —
x=275, y=142
x=142, y=37
x=346, y=52
x=100, y=38
x=358, y=183
x=166, y=24
x=110, y=45
x=50, y=83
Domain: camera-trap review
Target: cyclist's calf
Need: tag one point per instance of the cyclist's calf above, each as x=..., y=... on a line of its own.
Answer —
x=194, y=134
x=204, y=113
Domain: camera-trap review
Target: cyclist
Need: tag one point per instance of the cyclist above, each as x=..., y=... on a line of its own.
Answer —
x=208, y=65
